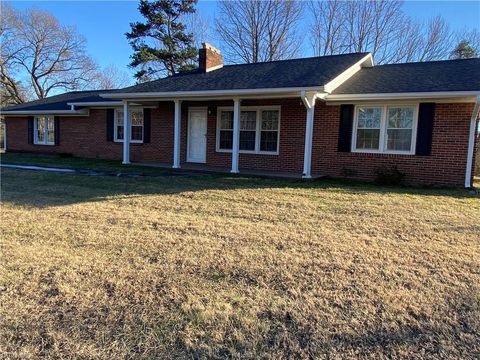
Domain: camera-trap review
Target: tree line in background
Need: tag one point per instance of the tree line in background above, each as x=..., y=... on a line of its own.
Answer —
x=39, y=56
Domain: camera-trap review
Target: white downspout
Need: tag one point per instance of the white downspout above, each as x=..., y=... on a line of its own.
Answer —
x=471, y=143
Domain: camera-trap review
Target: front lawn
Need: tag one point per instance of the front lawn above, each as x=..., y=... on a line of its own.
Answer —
x=233, y=267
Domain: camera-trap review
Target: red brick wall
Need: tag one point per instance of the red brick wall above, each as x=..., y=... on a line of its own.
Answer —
x=445, y=166
x=86, y=137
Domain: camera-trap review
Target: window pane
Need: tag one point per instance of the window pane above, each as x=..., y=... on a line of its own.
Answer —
x=51, y=136
x=400, y=118
x=226, y=139
x=136, y=118
x=50, y=123
x=369, y=118
x=270, y=120
x=368, y=139
x=268, y=141
x=248, y=120
x=119, y=117
x=41, y=129
x=120, y=132
x=399, y=139
x=137, y=133
x=226, y=120
x=247, y=140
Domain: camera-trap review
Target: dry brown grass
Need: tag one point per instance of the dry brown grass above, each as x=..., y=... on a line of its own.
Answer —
x=222, y=267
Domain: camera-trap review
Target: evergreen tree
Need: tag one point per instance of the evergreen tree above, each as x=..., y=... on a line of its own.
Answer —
x=464, y=51
x=161, y=44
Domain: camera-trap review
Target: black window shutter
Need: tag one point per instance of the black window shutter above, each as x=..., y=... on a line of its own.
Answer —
x=146, y=125
x=57, y=130
x=110, y=115
x=345, y=130
x=30, y=130
x=426, y=114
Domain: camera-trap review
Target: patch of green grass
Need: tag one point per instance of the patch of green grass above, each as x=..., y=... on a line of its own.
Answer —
x=72, y=162
x=235, y=267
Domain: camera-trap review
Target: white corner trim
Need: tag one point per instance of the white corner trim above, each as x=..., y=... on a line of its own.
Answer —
x=366, y=61
x=471, y=143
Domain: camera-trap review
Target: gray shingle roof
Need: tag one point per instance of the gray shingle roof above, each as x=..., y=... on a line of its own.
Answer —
x=60, y=102
x=306, y=72
x=433, y=76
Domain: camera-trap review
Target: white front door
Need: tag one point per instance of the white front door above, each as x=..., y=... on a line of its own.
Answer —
x=197, y=136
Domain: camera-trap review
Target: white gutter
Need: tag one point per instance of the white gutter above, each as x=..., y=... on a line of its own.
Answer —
x=97, y=103
x=471, y=143
x=382, y=96
x=45, y=112
x=206, y=93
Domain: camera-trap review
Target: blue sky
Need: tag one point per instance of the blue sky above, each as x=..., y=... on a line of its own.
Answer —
x=104, y=23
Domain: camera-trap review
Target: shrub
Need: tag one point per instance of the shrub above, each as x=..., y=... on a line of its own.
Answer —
x=389, y=175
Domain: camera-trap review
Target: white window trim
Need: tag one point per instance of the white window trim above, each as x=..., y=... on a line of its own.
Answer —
x=45, y=135
x=258, y=109
x=115, y=126
x=383, y=130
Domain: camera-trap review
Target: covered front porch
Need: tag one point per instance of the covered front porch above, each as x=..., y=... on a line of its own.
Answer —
x=202, y=143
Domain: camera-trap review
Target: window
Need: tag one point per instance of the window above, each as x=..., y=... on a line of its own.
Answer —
x=269, y=131
x=136, y=125
x=259, y=130
x=399, y=128
x=226, y=130
x=44, y=130
x=387, y=129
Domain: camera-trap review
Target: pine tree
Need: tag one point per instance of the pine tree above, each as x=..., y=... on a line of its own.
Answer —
x=464, y=51
x=161, y=44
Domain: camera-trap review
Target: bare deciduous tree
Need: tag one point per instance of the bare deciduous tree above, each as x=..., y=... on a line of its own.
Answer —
x=254, y=31
x=38, y=51
x=380, y=27
x=111, y=77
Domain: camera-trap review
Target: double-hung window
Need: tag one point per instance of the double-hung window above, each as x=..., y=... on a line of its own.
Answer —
x=44, y=130
x=136, y=125
x=259, y=130
x=385, y=129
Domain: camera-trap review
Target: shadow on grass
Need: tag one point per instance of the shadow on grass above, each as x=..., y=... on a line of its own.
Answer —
x=452, y=334
x=42, y=189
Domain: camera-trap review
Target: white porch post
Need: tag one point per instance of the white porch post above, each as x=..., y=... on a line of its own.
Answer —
x=176, y=134
x=126, y=134
x=309, y=102
x=471, y=143
x=236, y=135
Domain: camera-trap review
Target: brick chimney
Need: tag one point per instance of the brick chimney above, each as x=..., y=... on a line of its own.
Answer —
x=209, y=58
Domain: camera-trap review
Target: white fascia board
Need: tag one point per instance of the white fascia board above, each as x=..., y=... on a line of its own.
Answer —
x=210, y=93
x=46, y=112
x=97, y=103
x=366, y=61
x=397, y=96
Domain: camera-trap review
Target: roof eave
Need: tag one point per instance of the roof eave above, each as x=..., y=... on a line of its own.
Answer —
x=215, y=94
x=402, y=96
x=82, y=112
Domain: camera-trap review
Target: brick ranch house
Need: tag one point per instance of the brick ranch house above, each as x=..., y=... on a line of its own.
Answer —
x=338, y=116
